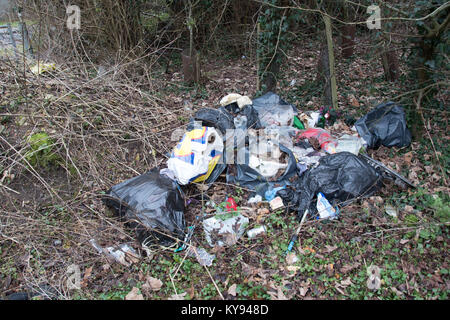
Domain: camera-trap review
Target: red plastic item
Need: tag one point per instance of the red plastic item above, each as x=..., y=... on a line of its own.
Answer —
x=327, y=142
x=231, y=204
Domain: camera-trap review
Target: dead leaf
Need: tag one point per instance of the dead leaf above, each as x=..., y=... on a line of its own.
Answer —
x=179, y=296
x=303, y=291
x=353, y=101
x=330, y=249
x=232, y=290
x=153, y=284
x=134, y=295
x=340, y=290
x=403, y=241
x=345, y=283
x=319, y=256
x=391, y=210
x=437, y=277
x=436, y=177
x=309, y=249
x=408, y=157
x=413, y=177
x=191, y=292
x=247, y=270
x=87, y=273
x=292, y=268
x=377, y=199
x=397, y=292
x=349, y=267
x=280, y=295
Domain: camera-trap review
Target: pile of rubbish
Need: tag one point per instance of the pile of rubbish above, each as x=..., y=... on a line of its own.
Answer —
x=269, y=147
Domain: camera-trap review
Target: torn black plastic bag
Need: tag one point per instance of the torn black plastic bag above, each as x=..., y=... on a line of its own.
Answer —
x=223, y=119
x=291, y=198
x=340, y=177
x=152, y=204
x=219, y=118
x=252, y=117
x=385, y=125
x=245, y=176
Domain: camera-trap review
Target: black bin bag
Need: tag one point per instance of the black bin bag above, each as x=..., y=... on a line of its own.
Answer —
x=152, y=204
x=340, y=177
x=385, y=125
x=220, y=119
x=245, y=176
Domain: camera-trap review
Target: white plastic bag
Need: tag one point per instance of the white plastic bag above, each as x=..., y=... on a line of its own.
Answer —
x=272, y=110
x=224, y=230
x=326, y=211
x=349, y=143
x=195, y=157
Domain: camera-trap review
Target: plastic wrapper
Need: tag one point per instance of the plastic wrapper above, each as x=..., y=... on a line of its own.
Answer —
x=350, y=144
x=282, y=135
x=202, y=256
x=272, y=110
x=310, y=119
x=385, y=125
x=271, y=193
x=326, y=141
x=241, y=101
x=324, y=208
x=224, y=229
x=264, y=150
x=308, y=157
x=152, y=204
x=195, y=157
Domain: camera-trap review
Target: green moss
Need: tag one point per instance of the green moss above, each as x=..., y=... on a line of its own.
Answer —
x=41, y=151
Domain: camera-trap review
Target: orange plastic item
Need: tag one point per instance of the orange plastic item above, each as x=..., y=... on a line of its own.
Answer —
x=327, y=142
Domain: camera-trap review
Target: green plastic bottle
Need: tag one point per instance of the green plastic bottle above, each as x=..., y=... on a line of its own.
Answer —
x=298, y=124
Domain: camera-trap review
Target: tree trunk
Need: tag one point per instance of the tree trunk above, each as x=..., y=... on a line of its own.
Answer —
x=332, y=71
x=390, y=65
x=423, y=78
x=324, y=75
x=348, y=40
x=191, y=66
x=270, y=80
